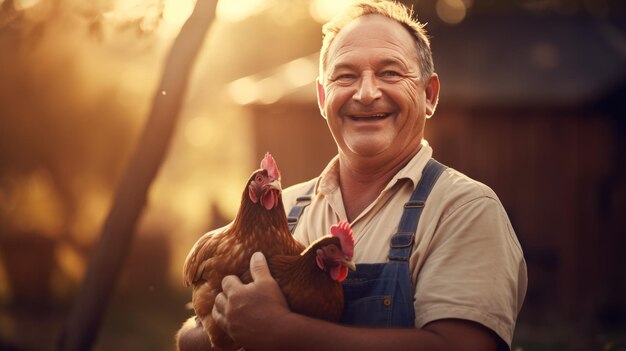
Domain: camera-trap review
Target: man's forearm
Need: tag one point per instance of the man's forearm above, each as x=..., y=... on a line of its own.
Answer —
x=298, y=332
x=257, y=316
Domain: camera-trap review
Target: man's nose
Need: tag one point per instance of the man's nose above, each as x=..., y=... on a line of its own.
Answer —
x=368, y=90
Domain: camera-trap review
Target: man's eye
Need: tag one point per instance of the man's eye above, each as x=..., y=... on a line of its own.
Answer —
x=390, y=74
x=346, y=77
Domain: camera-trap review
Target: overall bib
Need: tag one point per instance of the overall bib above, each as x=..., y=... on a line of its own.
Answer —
x=381, y=294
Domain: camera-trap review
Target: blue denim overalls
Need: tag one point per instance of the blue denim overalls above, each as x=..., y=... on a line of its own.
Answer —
x=381, y=294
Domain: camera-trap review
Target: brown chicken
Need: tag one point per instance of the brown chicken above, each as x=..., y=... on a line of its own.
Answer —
x=309, y=278
x=260, y=225
x=311, y=281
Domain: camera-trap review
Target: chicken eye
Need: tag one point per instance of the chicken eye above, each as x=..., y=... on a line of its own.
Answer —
x=258, y=178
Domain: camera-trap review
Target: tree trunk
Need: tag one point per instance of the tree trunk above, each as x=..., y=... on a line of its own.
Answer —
x=83, y=323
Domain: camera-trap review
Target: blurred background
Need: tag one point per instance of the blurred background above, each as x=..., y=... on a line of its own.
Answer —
x=532, y=104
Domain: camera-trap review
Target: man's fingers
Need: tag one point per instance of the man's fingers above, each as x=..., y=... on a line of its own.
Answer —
x=258, y=267
x=229, y=283
x=232, y=287
x=218, y=311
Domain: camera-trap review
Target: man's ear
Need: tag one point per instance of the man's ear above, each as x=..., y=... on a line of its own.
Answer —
x=432, y=94
x=321, y=96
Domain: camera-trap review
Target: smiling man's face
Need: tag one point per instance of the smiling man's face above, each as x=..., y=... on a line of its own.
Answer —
x=371, y=94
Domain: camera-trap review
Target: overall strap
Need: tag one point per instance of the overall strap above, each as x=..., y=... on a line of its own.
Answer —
x=296, y=211
x=402, y=241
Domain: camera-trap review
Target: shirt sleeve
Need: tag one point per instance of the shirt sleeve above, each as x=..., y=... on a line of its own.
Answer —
x=474, y=269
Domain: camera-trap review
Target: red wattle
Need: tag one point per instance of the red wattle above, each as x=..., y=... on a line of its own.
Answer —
x=269, y=200
x=339, y=273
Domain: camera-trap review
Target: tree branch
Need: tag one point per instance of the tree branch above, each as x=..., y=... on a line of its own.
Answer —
x=81, y=328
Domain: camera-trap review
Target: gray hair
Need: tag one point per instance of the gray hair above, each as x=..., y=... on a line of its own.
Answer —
x=390, y=9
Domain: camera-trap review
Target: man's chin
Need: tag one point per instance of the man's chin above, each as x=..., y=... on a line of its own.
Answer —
x=368, y=149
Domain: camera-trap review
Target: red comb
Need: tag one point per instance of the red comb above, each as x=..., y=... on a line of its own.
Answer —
x=343, y=231
x=270, y=166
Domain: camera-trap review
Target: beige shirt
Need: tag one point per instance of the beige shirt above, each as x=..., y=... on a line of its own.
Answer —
x=466, y=262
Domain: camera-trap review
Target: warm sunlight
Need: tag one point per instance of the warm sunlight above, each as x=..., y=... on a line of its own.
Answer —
x=324, y=10
x=243, y=91
x=269, y=87
x=37, y=206
x=451, y=11
x=531, y=107
x=175, y=13
x=23, y=4
x=164, y=16
x=301, y=71
x=239, y=10
x=199, y=131
x=70, y=262
x=271, y=90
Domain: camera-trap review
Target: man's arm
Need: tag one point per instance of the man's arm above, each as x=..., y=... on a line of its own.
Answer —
x=257, y=316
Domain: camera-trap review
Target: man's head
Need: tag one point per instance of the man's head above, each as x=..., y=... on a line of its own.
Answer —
x=390, y=9
x=375, y=92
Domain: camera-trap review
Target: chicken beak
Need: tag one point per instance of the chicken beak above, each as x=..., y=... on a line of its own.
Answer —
x=349, y=263
x=275, y=184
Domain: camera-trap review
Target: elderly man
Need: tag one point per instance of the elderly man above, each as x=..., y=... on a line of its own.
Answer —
x=439, y=266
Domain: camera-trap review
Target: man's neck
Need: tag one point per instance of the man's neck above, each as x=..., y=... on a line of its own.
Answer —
x=362, y=182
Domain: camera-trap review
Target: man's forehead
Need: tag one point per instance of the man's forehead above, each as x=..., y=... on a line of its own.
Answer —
x=375, y=32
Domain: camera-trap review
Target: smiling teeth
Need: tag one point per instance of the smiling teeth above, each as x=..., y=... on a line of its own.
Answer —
x=376, y=116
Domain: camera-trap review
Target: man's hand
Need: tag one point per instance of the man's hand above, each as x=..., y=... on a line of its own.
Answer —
x=245, y=312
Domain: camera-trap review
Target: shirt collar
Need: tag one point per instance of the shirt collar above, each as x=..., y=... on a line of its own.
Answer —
x=328, y=181
x=413, y=170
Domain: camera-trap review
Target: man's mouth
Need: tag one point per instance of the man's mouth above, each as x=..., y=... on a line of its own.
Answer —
x=375, y=117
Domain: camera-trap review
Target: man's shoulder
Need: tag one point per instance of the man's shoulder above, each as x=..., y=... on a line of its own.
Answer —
x=454, y=182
